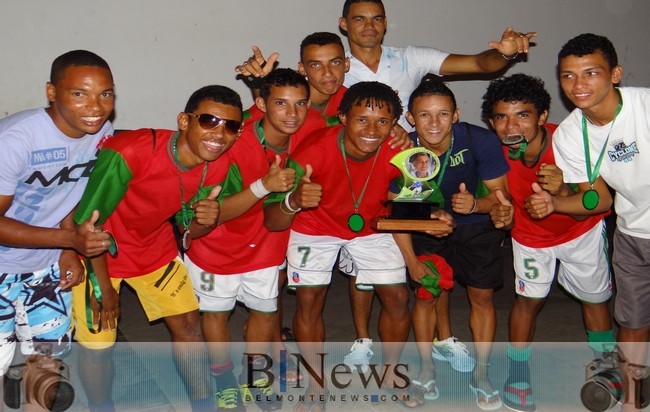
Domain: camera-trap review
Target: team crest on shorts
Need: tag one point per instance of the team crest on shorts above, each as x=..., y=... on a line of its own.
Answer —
x=522, y=286
x=295, y=277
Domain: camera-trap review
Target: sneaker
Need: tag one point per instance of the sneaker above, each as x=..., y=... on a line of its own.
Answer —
x=453, y=351
x=359, y=356
x=228, y=395
x=260, y=390
x=262, y=394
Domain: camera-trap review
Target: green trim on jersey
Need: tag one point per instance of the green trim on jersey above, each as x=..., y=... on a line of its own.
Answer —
x=231, y=185
x=106, y=187
x=246, y=114
x=275, y=197
x=332, y=120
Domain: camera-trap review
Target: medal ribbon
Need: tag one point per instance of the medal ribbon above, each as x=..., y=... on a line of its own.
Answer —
x=593, y=174
x=356, y=202
x=186, y=214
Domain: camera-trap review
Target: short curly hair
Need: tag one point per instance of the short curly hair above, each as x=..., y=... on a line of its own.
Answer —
x=516, y=88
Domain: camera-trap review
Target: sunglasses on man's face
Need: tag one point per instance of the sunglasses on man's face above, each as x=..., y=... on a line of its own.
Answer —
x=208, y=121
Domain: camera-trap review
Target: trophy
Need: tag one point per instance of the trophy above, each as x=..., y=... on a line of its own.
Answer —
x=419, y=195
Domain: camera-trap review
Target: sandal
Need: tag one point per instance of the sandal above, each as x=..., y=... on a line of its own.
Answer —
x=287, y=335
x=424, y=391
x=478, y=392
x=290, y=374
x=518, y=396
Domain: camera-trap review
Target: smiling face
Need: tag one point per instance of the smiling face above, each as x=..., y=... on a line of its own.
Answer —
x=82, y=100
x=196, y=144
x=367, y=126
x=285, y=110
x=433, y=116
x=325, y=67
x=365, y=24
x=517, y=117
x=588, y=81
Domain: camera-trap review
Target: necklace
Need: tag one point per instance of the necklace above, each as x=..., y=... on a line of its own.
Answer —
x=532, y=163
x=284, y=152
x=187, y=214
x=356, y=222
x=590, y=198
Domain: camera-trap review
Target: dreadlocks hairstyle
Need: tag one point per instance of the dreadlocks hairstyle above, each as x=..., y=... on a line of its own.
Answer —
x=589, y=43
x=516, y=88
x=280, y=78
x=371, y=94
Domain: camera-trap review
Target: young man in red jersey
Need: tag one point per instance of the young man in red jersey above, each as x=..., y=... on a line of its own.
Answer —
x=240, y=260
x=141, y=179
x=517, y=108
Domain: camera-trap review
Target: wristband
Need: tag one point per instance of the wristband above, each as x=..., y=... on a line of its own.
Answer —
x=258, y=189
x=474, y=207
x=288, y=204
x=510, y=58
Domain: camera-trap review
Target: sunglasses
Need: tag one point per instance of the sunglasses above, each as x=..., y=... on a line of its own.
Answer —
x=209, y=121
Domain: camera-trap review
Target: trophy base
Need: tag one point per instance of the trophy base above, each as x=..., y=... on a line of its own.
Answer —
x=411, y=210
x=405, y=225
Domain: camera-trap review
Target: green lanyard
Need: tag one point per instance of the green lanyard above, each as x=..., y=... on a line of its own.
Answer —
x=356, y=222
x=441, y=173
x=590, y=198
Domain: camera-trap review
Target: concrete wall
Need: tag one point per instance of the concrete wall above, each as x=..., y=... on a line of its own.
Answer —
x=162, y=50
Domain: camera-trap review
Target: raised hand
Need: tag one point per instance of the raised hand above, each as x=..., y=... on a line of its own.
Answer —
x=502, y=212
x=463, y=202
x=551, y=179
x=206, y=211
x=257, y=65
x=307, y=194
x=513, y=42
x=279, y=179
x=540, y=203
x=88, y=240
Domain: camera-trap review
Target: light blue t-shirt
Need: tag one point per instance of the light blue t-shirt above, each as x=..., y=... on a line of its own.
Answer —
x=46, y=172
x=402, y=68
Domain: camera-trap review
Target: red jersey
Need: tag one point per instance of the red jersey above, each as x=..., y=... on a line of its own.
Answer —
x=136, y=186
x=323, y=152
x=244, y=244
x=553, y=230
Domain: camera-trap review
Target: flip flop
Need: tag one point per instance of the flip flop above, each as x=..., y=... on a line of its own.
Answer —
x=487, y=397
x=428, y=391
x=518, y=396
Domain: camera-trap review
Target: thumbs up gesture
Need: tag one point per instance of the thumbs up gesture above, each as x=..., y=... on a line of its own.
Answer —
x=89, y=240
x=502, y=212
x=540, y=203
x=463, y=202
x=206, y=211
x=307, y=194
x=279, y=179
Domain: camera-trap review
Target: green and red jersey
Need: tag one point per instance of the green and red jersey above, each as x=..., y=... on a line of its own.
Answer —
x=322, y=150
x=136, y=186
x=556, y=228
x=317, y=117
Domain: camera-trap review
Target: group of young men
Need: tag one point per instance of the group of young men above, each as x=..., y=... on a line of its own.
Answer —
x=301, y=175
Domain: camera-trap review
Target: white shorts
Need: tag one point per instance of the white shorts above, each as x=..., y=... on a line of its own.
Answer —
x=374, y=259
x=584, y=267
x=257, y=289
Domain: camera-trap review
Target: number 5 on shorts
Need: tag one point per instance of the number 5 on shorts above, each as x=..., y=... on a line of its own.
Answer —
x=304, y=250
x=533, y=271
